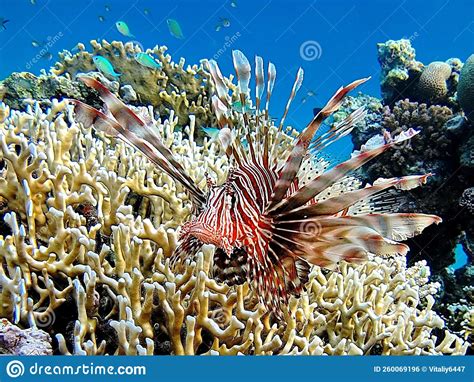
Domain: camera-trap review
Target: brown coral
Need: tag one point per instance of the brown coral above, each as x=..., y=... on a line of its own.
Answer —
x=466, y=88
x=432, y=83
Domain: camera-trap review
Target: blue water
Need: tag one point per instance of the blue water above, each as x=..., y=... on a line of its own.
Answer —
x=345, y=31
x=460, y=258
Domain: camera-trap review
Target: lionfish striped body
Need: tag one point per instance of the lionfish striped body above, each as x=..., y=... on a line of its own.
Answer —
x=267, y=225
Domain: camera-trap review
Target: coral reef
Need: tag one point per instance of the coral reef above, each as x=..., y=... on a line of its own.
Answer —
x=175, y=87
x=21, y=89
x=16, y=341
x=432, y=85
x=466, y=88
x=423, y=98
x=439, y=149
x=402, y=76
x=399, y=68
x=467, y=199
x=89, y=230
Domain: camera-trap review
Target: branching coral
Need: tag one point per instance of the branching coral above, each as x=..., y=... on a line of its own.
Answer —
x=85, y=256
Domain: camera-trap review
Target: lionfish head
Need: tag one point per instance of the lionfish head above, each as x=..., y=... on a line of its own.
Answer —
x=214, y=224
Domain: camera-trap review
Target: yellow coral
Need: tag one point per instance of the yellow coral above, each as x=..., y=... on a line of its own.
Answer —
x=108, y=261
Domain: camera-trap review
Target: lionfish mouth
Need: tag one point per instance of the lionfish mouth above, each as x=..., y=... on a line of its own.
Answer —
x=206, y=235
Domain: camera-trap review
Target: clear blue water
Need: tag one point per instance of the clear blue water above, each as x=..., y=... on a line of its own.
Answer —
x=460, y=258
x=346, y=33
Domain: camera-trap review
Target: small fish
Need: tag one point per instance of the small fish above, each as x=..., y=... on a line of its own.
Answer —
x=225, y=22
x=147, y=60
x=123, y=28
x=175, y=28
x=303, y=100
x=107, y=8
x=237, y=106
x=146, y=11
x=233, y=4
x=218, y=27
x=3, y=22
x=101, y=18
x=36, y=44
x=105, y=66
x=310, y=93
x=211, y=132
x=47, y=56
x=33, y=2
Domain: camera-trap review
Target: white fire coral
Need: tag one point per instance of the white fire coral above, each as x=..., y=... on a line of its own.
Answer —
x=90, y=225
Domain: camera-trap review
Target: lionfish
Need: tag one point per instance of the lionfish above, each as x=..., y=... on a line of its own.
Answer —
x=267, y=225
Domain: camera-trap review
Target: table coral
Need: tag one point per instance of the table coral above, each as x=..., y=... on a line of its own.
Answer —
x=91, y=225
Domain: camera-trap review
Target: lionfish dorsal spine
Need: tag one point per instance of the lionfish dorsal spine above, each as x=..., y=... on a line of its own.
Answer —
x=293, y=163
x=296, y=86
x=270, y=84
x=259, y=88
x=243, y=69
x=221, y=88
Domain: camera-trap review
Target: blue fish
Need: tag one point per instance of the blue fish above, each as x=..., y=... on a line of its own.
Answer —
x=105, y=66
x=211, y=132
x=148, y=61
x=175, y=28
x=123, y=28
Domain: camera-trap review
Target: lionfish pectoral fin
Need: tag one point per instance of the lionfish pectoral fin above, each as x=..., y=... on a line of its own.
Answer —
x=89, y=116
x=187, y=249
x=341, y=202
x=232, y=269
x=143, y=137
x=328, y=178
